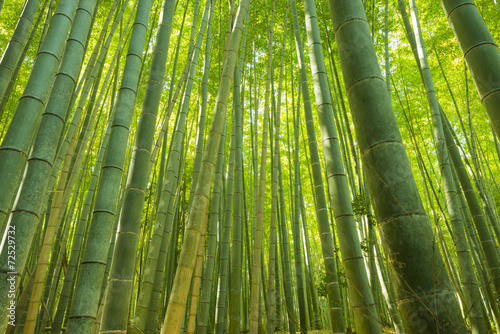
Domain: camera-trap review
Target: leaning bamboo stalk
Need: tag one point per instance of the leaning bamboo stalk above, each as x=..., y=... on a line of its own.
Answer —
x=397, y=204
x=487, y=241
x=14, y=51
x=208, y=271
x=452, y=202
x=480, y=52
x=17, y=141
x=336, y=313
x=121, y=281
x=43, y=154
x=22, y=129
x=20, y=62
x=87, y=295
x=198, y=213
x=363, y=306
x=196, y=287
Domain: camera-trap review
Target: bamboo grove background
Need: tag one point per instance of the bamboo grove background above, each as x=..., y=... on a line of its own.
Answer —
x=249, y=166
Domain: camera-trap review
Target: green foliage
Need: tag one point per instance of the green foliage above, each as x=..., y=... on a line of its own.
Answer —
x=321, y=284
x=408, y=100
x=359, y=205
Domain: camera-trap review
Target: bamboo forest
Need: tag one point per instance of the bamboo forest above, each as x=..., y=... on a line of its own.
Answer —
x=249, y=166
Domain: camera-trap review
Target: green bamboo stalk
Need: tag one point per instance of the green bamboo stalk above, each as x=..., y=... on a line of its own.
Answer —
x=469, y=142
x=386, y=48
x=198, y=211
x=285, y=256
x=48, y=16
x=17, y=141
x=362, y=303
x=55, y=268
x=83, y=89
x=487, y=242
x=487, y=288
x=222, y=295
x=77, y=243
x=196, y=287
x=207, y=275
x=17, y=68
x=235, y=301
x=321, y=206
x=33, y=189
x=78, y=238
x=201, y=119
x=277, y=289
x=86, y=300
x=60, y=204
x=164, y=217
x=257, y=246
x=255, y=155
x=296, y=229
x=480, y=53
x=163, y=265
x=14, y=49
x=478, y=323
x=179, y=221
x=315, y=321
x=427, y=302
x=272, y=320
x=345, y=126
x=104, y=283
x=237, y=242
x=387, y=288
x=208, y=272
x=120, y=286
x=50, y=124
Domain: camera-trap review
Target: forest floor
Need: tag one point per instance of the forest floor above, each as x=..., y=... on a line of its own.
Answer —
x=321, y=331
x=388, y=330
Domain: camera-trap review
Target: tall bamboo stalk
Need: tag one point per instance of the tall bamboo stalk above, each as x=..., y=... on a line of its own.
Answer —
x=256, y=283
x=453, y=205
x=427, y=303
x=84, y=309
x=22, y=129
x=198, y=212
x=480, y=52
x=364, y=308
x=120, y=285
x=13, y=52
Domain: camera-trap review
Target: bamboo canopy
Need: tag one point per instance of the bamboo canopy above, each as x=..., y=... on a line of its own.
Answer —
x=251, y=166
